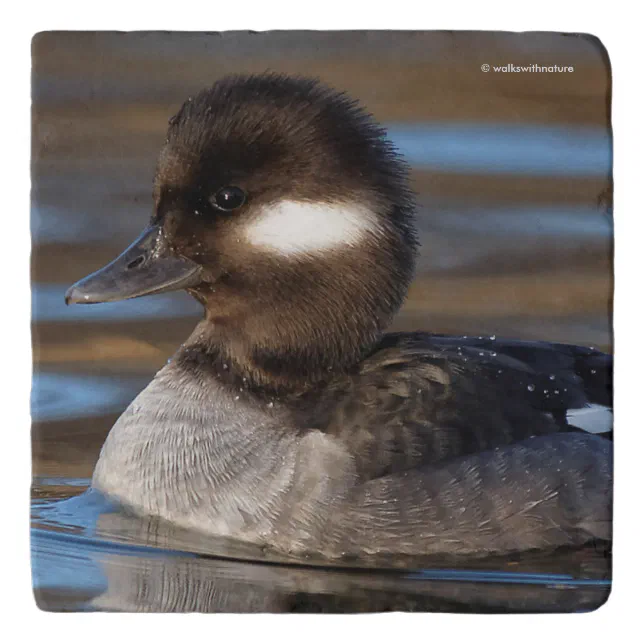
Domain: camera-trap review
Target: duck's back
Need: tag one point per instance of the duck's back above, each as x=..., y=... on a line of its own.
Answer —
x=421, y=399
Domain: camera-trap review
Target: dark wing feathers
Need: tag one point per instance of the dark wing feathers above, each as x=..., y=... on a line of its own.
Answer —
x=419, y=399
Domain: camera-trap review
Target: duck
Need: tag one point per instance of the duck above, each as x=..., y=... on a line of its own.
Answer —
x=290, y=418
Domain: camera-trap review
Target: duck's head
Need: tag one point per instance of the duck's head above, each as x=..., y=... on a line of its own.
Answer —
x=280, y=205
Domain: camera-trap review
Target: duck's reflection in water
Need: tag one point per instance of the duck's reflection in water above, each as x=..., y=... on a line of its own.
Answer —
x=128, y=563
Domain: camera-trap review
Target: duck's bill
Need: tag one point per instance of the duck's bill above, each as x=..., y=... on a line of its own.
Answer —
x=146, y=267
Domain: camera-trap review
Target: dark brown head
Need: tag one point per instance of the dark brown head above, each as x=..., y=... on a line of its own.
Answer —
x=281, y=206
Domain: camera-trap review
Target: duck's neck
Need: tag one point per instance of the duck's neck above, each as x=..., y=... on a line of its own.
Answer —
x=274, y=367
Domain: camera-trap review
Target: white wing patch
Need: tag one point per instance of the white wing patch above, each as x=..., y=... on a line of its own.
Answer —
x=595, y=419
x=299, y=228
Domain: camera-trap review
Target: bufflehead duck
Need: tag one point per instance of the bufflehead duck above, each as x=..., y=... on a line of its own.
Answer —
x=289, y=418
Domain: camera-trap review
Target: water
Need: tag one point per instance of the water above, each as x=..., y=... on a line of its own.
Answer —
x=87, y=555
x=507, y=149
x=513, y=186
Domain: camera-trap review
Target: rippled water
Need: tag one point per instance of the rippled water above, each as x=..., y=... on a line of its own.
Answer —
x=512, y=174
x=89, y=556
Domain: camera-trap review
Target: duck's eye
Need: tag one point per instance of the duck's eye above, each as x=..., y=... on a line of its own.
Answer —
x=229, y=198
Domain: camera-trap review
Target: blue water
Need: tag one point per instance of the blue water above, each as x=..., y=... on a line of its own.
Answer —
x=59, y=396
x=88, y=555
x=498, y=148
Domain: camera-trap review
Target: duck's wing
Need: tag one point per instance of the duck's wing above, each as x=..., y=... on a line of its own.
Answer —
x=574, y=383
x=421, y=399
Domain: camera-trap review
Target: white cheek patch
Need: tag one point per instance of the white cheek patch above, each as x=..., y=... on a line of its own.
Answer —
x=299, y=228
x=595, y=419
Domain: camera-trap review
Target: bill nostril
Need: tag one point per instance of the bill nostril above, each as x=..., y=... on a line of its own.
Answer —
x=136, y=262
